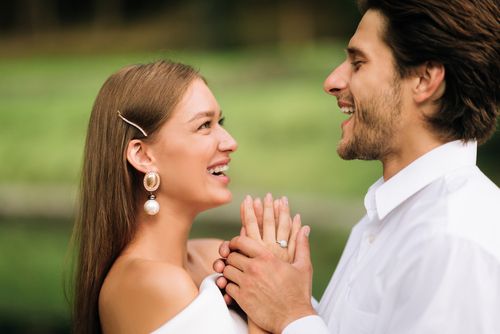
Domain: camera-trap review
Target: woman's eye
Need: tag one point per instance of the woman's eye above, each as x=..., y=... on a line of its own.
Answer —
x=221, y=121
x=205, y=125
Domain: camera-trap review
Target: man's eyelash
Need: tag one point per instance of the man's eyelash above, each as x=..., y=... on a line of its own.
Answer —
x=356, y=64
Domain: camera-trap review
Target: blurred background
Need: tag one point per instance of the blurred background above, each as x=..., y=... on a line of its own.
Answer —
x=265, y=60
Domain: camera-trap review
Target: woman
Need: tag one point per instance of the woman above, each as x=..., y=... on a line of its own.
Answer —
x=155, y=156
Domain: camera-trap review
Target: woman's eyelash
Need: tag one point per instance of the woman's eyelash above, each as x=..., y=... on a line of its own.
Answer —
x=207, y=124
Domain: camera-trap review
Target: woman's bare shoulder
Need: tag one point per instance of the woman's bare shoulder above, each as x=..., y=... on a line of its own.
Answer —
x=141, y=295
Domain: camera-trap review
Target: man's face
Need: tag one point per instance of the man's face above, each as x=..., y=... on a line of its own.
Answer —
x=367, y=88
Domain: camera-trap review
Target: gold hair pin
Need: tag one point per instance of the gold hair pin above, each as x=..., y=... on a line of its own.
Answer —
x=131, y=123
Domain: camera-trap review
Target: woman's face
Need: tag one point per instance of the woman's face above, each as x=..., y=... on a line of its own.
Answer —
x=191, y=152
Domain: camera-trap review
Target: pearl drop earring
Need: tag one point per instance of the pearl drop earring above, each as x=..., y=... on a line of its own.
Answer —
x=151, y=183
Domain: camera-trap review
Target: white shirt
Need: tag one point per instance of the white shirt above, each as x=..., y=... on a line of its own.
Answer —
x=424, y=259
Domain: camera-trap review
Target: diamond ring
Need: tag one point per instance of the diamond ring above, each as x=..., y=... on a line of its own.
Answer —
x=282, y=243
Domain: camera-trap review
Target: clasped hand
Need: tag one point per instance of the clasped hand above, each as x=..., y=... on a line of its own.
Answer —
x=270, y=282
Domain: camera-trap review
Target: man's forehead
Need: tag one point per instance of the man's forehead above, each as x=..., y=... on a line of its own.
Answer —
x=368, y=35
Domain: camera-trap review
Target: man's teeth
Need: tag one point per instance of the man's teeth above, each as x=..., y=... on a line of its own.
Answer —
x=347, y=110
x=218, y=169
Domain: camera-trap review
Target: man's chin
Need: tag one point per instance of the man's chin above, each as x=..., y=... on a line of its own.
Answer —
x=348, y=151
x=345, y=152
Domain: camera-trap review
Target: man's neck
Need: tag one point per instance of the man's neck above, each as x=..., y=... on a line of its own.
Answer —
x=406, y=153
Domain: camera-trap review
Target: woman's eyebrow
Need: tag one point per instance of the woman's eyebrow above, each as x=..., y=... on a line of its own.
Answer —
x=203, y=114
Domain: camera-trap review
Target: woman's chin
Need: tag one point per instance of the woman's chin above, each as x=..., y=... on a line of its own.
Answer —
x=221, y=199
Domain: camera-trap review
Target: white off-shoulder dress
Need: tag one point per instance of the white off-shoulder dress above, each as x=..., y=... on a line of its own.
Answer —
x=207, y=313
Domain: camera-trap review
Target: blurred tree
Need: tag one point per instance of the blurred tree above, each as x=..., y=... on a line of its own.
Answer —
x=107, y=12
x=296, y=21
x=218, y=23
x=32, y=16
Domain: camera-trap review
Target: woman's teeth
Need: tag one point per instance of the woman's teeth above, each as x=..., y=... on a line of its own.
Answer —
x=218, y=169
x=347, y=110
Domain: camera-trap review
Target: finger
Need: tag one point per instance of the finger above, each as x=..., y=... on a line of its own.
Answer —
x=250, y=221
x=259, y=212
x=233, y=291
x=219, y=265
x=228, y=299
x=221, y=282
x=247, y=246
x=224, y=249
x=269, y=225
x=296, y=224
x=238, y=261
x=242, y=217
x=302, y=252
x=276, y=209
x=232, y=274
x=243, y=232
x=284, y=222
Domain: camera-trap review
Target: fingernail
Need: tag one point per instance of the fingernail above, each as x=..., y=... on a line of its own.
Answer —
x=269, y=197
x=307, y=230
x=248, y=199
x=285, y=200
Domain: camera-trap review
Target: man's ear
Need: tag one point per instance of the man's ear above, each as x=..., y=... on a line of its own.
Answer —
x=430, y=83
x=138, y=156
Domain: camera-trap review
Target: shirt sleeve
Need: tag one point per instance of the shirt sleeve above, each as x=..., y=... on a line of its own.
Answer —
x=449, y=285
x=306, y=325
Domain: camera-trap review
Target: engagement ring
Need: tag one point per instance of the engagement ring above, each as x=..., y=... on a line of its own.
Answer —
x=282, y=243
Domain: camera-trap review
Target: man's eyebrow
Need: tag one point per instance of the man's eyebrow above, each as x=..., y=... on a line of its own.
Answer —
x=202, y=114
x=354, y=51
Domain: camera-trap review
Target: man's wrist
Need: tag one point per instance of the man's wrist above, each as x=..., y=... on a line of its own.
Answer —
x=296, y=315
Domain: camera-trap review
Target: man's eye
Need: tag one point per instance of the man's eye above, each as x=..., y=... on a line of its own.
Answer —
x=356, y=64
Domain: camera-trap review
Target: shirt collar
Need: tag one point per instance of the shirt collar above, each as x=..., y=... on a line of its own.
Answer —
x=383, y=197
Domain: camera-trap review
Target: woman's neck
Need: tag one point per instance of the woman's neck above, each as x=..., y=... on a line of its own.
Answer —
x=163, y=237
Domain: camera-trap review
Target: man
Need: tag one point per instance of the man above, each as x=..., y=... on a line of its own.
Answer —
x=420, y=84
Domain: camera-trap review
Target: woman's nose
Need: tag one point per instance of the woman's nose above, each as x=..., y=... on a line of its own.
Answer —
x=227, y=142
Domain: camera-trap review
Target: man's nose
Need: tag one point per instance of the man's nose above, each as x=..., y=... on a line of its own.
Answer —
x=338, y=80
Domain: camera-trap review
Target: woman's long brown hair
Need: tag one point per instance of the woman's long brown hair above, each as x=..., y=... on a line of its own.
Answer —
x=105, y=221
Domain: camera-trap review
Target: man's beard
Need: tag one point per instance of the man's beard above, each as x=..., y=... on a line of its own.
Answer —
x=375, y=124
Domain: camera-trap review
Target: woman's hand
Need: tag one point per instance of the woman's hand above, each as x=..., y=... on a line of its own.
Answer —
x=271, y=225
x=268, y=223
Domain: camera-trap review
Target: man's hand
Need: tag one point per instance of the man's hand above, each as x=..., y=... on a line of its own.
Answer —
x=272, y=292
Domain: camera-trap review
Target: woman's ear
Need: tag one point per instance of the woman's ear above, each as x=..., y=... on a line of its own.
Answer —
x=138, y=156
x=430, y=83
